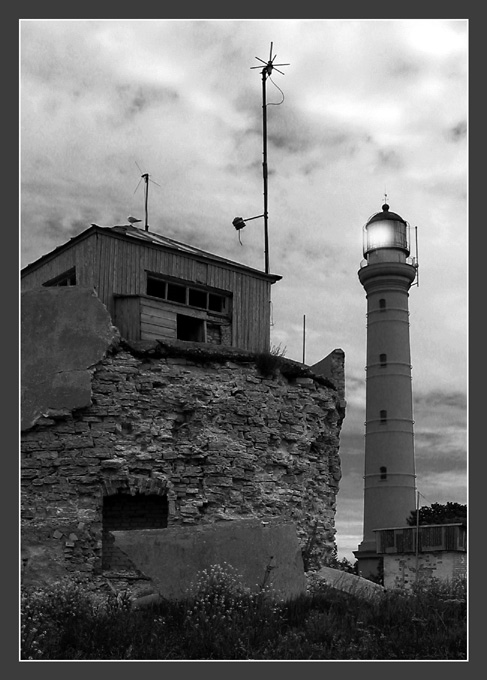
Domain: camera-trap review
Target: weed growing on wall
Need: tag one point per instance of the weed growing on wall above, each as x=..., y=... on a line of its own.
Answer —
x=269, y=363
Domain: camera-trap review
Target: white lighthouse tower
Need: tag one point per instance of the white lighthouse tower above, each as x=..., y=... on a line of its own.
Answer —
x=387, y=274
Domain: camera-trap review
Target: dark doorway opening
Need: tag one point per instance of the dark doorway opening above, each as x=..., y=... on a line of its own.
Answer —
x=124, y=512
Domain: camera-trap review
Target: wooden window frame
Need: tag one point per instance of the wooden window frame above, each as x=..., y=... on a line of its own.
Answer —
x=212, y=295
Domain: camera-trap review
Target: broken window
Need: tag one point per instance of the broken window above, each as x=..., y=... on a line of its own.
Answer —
x=190, y=328
x=65, y=279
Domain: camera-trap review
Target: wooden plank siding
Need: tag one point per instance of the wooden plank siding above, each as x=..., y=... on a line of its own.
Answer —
x=157, y=320
x=114, y=264
x=81, y=257
x=127, y=316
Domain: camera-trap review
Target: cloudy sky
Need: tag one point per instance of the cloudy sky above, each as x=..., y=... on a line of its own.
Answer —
x=364, y=108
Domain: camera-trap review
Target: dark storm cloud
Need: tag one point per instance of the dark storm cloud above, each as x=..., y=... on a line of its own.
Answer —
x=431, y=400
x=443, y=446
x=390, y=159
x=355, y=383
x=352, y=445
x=138, y=98
x=60, y=231
x=458, y=131
x=52, y=232
x=403, y=69
x=441, y=430
x=292, y=129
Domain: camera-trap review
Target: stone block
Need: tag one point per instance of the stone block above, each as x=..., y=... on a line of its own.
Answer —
x=65, y=331
x=349, y=583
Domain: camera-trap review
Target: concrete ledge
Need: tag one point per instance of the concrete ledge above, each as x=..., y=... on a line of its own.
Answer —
x=262, y=552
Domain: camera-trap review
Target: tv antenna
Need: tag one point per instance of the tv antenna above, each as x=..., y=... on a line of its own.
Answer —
x=239, y=222
x=146, y=177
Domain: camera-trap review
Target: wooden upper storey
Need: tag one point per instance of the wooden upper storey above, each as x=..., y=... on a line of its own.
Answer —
x=154, y=286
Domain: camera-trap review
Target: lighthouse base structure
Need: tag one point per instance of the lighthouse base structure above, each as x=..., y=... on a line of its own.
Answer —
x=369, y=563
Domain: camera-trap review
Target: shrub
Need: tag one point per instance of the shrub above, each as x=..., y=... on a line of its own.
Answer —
x=54, y=617
x=221, y=619
x=225, y=620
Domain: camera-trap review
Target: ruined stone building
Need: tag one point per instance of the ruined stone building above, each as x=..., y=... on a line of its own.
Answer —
x=159, y=432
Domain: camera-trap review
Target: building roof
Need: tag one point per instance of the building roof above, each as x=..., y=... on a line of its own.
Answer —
x=386, y=214
x=130, y=232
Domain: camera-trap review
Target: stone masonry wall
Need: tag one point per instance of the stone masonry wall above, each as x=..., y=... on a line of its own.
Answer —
x=218, y=438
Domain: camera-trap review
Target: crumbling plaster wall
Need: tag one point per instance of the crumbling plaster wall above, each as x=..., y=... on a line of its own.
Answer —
x=222, y=440
x=64, y=332
x=403, y=570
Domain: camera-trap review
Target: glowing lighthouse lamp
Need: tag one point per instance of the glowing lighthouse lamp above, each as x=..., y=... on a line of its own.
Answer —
x=386, y=237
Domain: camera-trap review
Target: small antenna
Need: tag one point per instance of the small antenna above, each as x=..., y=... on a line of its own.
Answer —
x=415, y=259
x=145, y=176
x=417, y=256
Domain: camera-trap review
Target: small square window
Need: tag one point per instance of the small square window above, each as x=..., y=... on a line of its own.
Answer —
x=216, y=303
x=176, y=293
x=197, y=298
x=156, y=287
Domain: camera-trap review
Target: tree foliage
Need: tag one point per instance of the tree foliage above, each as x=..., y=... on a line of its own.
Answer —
x=439, y=513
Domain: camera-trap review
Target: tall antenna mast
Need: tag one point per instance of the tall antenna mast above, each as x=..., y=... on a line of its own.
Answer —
x=266, y=72
x=239, y=222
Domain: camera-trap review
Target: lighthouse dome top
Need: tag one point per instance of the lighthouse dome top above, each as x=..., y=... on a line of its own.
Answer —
x=386, y=214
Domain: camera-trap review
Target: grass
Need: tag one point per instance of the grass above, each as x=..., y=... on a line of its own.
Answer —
x=220, y=619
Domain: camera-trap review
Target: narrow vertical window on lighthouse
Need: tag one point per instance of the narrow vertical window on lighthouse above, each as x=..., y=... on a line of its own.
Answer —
x=382, y=304
x=383, y=416
x=383, y=359
x=383, y=472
